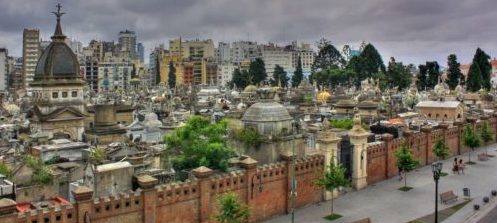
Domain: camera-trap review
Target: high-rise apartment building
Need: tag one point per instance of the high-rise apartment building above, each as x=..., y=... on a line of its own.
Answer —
x=4, y=69
x=245, y=51
x=127, y=43
x=30, y=54
x=223, y=53
x=193, y=49
x=225, y=73
x=274, y=55
x=306, y=55
x=114, y=75
x=140, y=52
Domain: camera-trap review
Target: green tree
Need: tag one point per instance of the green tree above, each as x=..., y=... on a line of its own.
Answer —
x=98, y=154
x=371, y=61
x=433, y=73
x=231, y=210
x=298, y=75
x=41, y=172
x=422, y=77
x=257, y=72
x=239, y=79
x=474, y=80
x=5, y=170
x=397, y=75
x=406, y=162
x=171, y=76
x=440, y=149
x=486, y=135
x=471, y=140
x=279, y=77
x=482, y=59
x=199, y=143
x=454, y=74
x=334, y=178
x=328, y=56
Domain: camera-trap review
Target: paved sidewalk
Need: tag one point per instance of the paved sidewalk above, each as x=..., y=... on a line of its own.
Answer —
x=383, y=203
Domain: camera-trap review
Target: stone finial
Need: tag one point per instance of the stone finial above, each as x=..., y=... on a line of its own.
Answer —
x=82, y=193
x=357, y=129
x=147, y=181
x=326, y=124
x=202, y=172
x=7, y=206
x=248, y=163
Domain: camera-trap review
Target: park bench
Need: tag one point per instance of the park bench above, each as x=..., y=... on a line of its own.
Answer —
x=482, y=157
x=448, y=196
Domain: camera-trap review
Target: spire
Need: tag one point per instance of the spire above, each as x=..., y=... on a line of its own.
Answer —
x=58, y=35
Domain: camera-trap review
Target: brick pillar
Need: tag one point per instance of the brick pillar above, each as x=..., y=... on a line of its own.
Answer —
x=83, y=207
x=428, y=150
x=444, y=126
x=288, y=158
x=387, y=139
x=8, y=210
x=149, y=193
x=204, y=184
x=459, y=125
x=250, y=165
x=494, y=120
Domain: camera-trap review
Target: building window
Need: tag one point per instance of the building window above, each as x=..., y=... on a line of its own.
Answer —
x=74, y=94
x=55, y=94
x=64, y=94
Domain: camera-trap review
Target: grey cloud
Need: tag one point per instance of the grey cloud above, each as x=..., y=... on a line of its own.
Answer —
x=412, y=31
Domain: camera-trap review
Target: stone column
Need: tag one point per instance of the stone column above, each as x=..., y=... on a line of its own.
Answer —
x=203, y=175
x=429, y=144
x=328, y=146
x=8, y=210
x=250, y=165
x=149, y=193
x=359, y=138
x=83, y=207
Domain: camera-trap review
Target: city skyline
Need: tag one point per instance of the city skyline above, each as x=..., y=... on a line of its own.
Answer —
x=412, y=32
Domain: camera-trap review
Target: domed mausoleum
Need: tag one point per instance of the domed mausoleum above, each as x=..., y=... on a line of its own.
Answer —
x=274, y=123
x=57, y=90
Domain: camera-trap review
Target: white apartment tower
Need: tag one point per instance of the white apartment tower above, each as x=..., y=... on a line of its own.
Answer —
x=30, y=54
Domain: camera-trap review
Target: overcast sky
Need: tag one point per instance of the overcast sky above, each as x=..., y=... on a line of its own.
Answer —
x=413, y=31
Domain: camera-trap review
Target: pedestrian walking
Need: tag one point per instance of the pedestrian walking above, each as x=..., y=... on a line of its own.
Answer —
x=455, y=166
x=461, y=166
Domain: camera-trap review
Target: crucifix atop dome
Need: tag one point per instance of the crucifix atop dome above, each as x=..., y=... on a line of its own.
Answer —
x=58, y=35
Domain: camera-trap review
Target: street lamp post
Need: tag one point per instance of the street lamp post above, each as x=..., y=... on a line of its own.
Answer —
x=437, y=170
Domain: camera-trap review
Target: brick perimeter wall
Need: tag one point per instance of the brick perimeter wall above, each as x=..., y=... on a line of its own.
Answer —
x=180, y=202
x=381, y=158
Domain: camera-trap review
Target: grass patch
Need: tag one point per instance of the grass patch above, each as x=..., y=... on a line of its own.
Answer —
x=405, y=188
x=332, y=217
x=442, y=215
x=471, y=163
x=443, y=174
x=490, y=155
x=457, y=207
